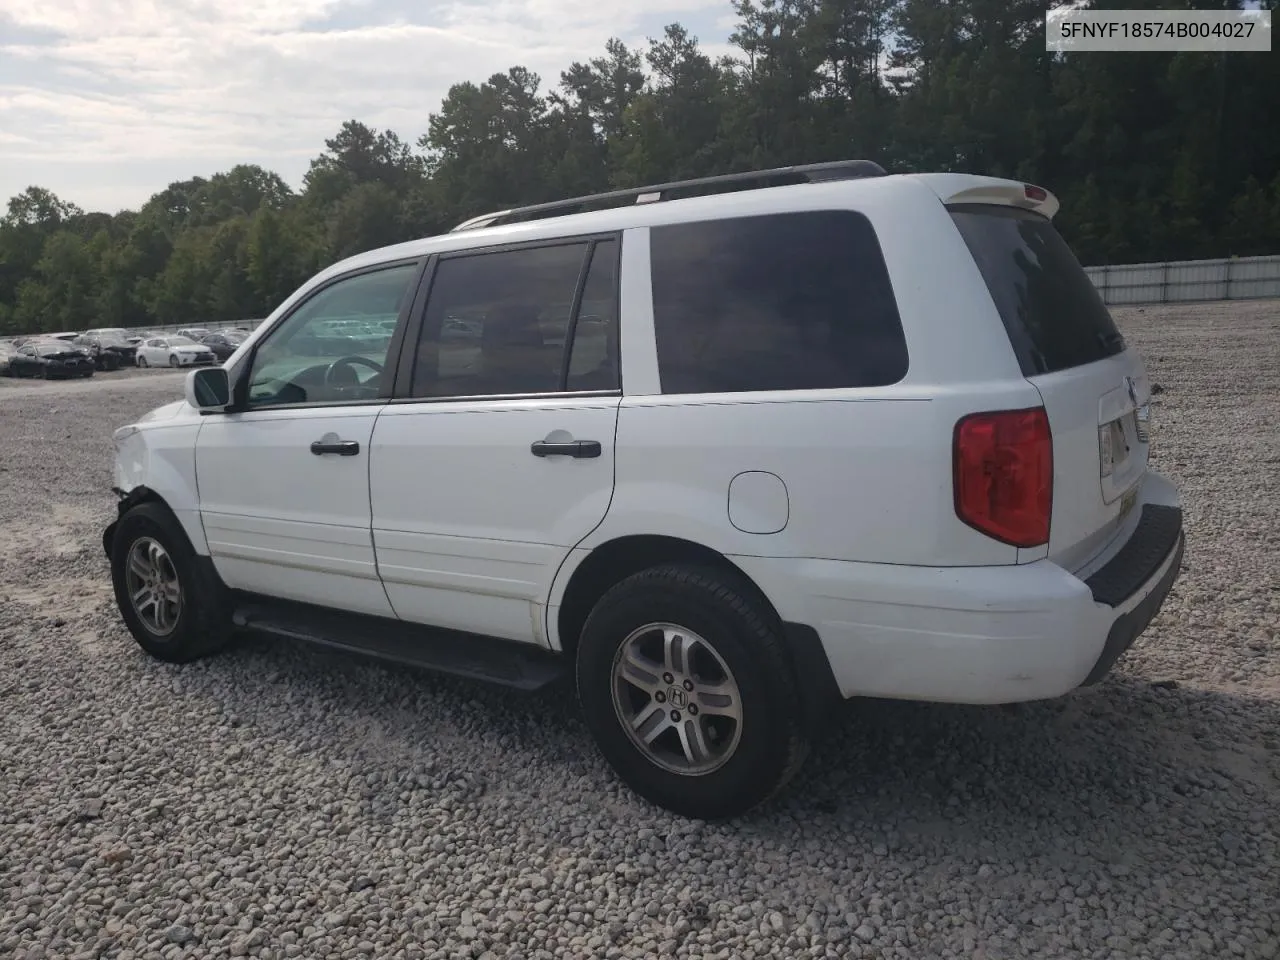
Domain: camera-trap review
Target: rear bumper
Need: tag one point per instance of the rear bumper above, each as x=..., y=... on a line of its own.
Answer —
x=981, y=634
x=1129, y=626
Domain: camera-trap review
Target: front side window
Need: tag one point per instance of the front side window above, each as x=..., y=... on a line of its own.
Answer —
x=792, y=301
x=315, y=357
x=498, y=323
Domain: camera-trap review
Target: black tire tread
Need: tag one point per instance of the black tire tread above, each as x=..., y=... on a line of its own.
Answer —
x=206, y=618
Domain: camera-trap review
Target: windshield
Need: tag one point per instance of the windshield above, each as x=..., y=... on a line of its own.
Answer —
x=1054, y=315
x=181, y=341
x=49, y=349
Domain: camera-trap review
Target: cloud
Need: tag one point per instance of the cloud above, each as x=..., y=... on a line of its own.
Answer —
x=106, y=101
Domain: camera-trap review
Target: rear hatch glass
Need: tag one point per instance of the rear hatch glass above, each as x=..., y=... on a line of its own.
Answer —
x=1053, y=313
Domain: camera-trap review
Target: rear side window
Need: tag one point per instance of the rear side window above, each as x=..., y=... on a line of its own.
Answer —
x=1055, y=317
x=501, y=323
x=793, y=301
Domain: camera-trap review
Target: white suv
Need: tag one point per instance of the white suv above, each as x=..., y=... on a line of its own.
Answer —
x=728, y=450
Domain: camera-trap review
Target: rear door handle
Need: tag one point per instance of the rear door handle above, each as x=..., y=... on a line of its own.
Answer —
x=343, y=448
x=582, y=449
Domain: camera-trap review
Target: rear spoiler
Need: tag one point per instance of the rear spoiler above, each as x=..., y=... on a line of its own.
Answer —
x=965, y=188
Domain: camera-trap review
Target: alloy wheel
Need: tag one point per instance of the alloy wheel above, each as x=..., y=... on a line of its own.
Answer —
x=677, y=699
x=154, y=590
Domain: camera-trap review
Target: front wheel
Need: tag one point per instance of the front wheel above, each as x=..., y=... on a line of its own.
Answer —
x=173, y=360
x=142, y=361
x=687, y=689
x=176, y=610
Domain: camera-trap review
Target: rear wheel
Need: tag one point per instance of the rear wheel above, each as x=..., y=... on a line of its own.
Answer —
x=142, y=361
x=687, y=690
x=176, y=610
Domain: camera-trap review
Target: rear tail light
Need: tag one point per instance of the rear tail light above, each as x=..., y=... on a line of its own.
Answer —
x=1032, y=192
x=1003, y=464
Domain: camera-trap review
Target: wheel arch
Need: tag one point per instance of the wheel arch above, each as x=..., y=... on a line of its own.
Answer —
x=128, y=500
x=613, y=561
x=187, y=520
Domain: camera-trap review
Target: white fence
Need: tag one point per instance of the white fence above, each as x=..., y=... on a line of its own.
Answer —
x=1186, y=281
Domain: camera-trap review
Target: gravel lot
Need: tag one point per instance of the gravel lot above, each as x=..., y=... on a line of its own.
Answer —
x=281, y=802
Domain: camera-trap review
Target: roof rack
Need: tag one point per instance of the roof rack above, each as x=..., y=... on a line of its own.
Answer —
x=680, y=189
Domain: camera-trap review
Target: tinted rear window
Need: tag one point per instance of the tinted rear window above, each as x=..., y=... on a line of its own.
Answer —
x=794, y=301
x=1055, y=317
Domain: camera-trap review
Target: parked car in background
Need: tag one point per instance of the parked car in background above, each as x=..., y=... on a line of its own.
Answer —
x=103, y=359
x=194, y=333
x=50, y=359
x=109, y=347
x=173, y=351
x=6, y=351
x=224, y=343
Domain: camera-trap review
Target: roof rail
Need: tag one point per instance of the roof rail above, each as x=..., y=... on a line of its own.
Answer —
x=680, y=189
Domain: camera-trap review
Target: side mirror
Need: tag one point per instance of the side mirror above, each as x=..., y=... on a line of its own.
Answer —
x=208, y=388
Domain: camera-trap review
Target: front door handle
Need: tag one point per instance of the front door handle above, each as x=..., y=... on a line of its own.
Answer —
x=582, y=449
x=343, y=448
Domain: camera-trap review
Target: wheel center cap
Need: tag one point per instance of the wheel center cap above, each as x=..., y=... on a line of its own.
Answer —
x=677, y=697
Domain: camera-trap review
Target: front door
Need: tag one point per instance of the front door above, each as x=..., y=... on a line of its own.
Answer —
x=498, y=459
x=284, y=484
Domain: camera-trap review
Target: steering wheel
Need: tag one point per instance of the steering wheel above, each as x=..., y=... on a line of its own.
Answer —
x=346, y=364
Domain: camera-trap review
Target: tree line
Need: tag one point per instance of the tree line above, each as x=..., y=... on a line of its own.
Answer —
x=1154, y=156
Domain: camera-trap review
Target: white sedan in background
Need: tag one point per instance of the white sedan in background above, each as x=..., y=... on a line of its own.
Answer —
x=174, y=351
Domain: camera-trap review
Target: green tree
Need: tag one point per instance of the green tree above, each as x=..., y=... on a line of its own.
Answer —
x=39, y=207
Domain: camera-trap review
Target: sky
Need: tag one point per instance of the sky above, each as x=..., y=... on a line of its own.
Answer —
x=106, y=102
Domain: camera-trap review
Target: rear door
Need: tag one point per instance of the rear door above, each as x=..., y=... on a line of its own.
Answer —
x=1095, y=389
x=497, y=456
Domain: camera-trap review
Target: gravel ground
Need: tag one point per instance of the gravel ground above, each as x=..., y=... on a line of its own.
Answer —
x=281, y=802
x=125, y=377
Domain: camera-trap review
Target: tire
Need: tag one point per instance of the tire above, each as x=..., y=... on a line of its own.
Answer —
x=201, y=619
x=173, y=360
x=141, y=361
x=732, y=635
